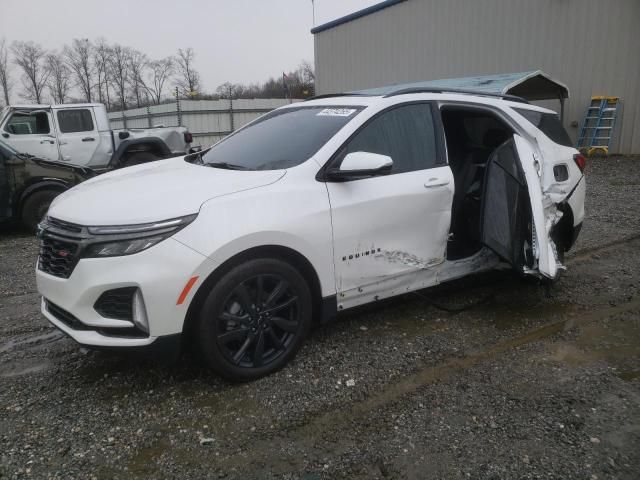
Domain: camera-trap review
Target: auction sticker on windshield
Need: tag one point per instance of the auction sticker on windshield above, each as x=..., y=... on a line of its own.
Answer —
x=336, y=112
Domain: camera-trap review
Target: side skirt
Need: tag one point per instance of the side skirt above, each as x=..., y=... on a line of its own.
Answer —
x=418, y=279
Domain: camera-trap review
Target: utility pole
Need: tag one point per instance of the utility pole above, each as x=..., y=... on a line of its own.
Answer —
x=178, y=107
x=313, y=12
x=231, y=108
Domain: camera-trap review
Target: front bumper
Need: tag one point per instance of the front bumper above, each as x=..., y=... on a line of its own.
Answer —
x=160, y=273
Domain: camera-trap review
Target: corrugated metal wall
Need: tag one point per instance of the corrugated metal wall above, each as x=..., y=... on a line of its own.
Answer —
x=207, y=120
x=591, y=45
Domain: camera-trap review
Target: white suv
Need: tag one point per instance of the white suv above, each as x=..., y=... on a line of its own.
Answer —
x=313, y=208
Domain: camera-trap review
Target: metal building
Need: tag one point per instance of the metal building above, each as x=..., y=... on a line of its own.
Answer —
x=593, y=46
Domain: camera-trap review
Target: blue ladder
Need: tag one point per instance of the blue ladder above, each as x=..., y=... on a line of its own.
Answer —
x=597, y=127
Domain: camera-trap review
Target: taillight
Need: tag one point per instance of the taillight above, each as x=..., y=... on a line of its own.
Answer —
x=188, y=138
x=580, y=160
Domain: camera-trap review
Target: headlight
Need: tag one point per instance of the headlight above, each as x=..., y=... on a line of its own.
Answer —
x=118, y=240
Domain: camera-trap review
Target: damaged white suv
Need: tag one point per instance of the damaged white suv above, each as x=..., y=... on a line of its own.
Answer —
x=313, y=208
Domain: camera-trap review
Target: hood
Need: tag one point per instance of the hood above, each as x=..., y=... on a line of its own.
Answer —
x=154, y=191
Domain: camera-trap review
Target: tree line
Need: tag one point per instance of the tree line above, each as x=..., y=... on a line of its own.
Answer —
x=122, y=77
x=299, y=83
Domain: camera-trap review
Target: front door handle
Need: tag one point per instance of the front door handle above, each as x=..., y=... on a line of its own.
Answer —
x=52, y=142
x=436, y=182
x=88, y=139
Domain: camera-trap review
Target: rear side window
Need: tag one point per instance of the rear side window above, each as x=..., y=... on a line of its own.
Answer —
x=549, y=124
x=77, y=120
x=406, y=134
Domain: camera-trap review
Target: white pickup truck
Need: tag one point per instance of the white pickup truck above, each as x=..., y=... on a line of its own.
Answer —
x=80, y=134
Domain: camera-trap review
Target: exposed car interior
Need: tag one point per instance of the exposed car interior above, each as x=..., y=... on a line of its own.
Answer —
x=472, y=135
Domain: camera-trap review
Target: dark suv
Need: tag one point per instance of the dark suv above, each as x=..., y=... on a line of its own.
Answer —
x=28, y=185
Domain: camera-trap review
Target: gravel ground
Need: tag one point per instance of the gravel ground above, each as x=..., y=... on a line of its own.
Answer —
x=524, y=384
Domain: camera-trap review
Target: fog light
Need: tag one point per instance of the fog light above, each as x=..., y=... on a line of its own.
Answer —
x=140, y=312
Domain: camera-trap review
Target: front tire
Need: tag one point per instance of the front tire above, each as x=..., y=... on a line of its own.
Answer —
x=35, y=208
x=255, y=319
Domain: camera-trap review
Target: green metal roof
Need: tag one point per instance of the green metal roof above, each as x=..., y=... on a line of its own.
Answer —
x=533, y=85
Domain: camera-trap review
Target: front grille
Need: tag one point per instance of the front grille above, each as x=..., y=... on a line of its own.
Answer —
x=62, y=225
x=60, y=244
x=65, y=317
x=116, y=303
x=57, y=256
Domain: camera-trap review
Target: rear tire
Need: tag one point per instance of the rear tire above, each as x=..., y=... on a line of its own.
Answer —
x=254, y=319
x=139, y=158
x=35, y=208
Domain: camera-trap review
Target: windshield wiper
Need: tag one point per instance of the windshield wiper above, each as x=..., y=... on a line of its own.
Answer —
x=226, y=166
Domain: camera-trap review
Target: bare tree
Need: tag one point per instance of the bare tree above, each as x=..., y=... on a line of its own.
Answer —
x=119, y=67
x=30, y=57
x=160, y=72
x=101, y=55
x=296, y=84
x=59, y=82
x=308, y=76
x=188, y=78
x=138, y=62
x=230, y=90
x=5, y=71
x=79, y=60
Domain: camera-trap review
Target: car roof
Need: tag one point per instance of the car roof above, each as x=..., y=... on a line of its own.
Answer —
x=38, y=106
x=354, y=99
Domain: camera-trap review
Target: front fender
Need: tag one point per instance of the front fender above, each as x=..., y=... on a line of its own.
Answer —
x=155, y=142
x=297, y=218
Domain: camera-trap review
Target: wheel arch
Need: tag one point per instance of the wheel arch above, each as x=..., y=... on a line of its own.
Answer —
x=323, y=308
x=563, y=232
x=56, y=185
x=154, y=145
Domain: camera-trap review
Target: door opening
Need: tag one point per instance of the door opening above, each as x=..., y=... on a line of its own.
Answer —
x=472, y=136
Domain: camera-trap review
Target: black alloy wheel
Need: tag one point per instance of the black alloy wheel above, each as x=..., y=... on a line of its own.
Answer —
x=258, y=320
x=255, y=319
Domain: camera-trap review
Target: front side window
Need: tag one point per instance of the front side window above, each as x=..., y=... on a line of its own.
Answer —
x=406, y=134
x=280, y=139
x=77, y=120
x=28, y=123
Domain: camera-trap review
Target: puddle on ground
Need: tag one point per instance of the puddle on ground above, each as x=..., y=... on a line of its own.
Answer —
x=21, y=367
x=615, y=341
x=34, y=341
x=505, y=316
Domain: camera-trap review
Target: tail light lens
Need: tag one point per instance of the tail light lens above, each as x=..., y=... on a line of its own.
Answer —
x=580, y=160
x=188, y=137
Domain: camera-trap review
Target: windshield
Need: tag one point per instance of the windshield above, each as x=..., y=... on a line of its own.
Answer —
x=280, y=139
x=3, y=113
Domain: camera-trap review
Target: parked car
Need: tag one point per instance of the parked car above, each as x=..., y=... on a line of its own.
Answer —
x=29, y=184
x=80, y=134
x=311, y=209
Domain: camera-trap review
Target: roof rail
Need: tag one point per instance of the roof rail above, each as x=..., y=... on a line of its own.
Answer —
x=345, y=94
x=407, y=91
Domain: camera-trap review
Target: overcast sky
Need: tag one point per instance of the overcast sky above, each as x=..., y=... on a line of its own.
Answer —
x=240, y=41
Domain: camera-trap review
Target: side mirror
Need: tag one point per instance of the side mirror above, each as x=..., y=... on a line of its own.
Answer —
x=361, y=165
